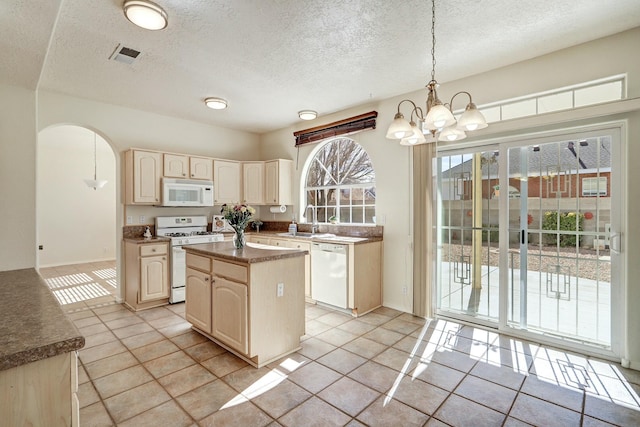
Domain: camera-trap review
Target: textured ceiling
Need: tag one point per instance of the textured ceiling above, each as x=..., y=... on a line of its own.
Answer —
x=272, y=58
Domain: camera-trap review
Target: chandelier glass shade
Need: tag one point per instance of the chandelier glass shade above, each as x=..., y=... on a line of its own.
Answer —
x=439, y=123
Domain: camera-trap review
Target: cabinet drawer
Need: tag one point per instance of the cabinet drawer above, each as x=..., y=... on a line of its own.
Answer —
x=231, y=271
x=148, y=250
x=198, y=262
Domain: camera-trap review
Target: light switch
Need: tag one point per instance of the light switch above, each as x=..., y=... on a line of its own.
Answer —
x=280, y=291
x=129, y=220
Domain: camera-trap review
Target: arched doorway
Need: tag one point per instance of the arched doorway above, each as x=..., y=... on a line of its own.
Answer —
x=76, y=223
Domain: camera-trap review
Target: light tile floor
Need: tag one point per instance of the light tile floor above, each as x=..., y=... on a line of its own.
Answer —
x=386, y=368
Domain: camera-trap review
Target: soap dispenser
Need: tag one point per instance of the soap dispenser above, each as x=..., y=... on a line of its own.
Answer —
x=293, y=227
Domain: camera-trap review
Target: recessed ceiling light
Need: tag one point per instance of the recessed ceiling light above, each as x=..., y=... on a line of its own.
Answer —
x=145, y=14
x=216, y=103
x=307, y=114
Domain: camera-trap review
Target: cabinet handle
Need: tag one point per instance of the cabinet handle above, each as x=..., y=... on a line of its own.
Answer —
x=153, y=250
x=206, y=279
x=164, y=258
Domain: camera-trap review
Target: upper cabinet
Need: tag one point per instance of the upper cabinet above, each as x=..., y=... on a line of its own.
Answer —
x=226, y=181
x=143, y=171
x=201, y=168
x=278, y=176
x=180, y=166
x=253, y=183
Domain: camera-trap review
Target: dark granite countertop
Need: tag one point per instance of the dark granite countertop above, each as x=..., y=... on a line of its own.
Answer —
x=251, y=253
x=33, y=326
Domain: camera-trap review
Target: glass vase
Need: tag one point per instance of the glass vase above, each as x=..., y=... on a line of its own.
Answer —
x=239, y=239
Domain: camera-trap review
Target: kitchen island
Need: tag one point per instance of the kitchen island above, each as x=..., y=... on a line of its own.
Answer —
x=38, y=362
x=249, y=301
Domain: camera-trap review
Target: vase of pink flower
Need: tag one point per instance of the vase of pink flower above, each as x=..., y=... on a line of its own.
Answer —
x=238, y=216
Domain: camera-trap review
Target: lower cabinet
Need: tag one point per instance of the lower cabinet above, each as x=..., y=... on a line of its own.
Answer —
x=255, y=309
x=229, y=313
x=198, y=299
x=147, y=281
x=41, y=393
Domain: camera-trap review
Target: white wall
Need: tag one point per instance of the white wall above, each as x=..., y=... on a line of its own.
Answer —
x=17, y=178
x=75, y=223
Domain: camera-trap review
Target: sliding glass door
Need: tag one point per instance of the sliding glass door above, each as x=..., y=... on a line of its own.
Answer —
x=529, y=236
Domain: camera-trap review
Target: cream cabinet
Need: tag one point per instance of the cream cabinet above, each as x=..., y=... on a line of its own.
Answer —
x=146, y=274
x=253, y=183
x=198, y=299
x=143, y=171
x=256, y=309
x=229, y=313
x=278, y=176
x=175, y=166
x=181, y=166
x=41, y=393
x=201, y=168
x=226, y=181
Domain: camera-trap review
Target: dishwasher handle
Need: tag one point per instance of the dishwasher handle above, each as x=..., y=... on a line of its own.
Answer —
x=328, y=247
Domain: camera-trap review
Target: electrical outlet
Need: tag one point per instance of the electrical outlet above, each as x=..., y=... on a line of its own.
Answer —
x=129, y=220
x=141, y=219
x=280, y=289
x=404, y=290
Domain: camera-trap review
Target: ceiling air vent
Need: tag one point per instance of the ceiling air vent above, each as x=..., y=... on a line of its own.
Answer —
x=124, y=54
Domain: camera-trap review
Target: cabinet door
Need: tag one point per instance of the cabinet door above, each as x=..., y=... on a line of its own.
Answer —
x=229, y=313
x=198, y=300
x=278, y=187
x=201, y=168
x=176, y=166
x=253, y=183
x=154, y=278
x=226, y=181
x=147, y=170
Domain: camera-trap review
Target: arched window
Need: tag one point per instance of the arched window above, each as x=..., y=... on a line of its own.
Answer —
x=340, y=183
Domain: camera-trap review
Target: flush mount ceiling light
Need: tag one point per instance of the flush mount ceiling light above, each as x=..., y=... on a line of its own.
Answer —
x=95, y=183
x=145, y=14
x=439, y=122
x=307, y=114
x=216, y=103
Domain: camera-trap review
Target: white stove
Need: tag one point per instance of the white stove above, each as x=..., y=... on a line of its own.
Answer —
x=183, y=230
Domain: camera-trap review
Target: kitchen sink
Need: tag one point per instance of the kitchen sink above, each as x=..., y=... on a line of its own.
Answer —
x=309, y=235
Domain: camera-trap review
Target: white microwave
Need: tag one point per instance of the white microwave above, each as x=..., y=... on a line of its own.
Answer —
x=185, y=192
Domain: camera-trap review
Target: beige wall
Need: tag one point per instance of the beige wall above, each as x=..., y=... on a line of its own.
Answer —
x=17, y=178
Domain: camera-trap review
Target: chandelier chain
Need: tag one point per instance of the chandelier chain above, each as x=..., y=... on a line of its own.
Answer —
x=433, y=40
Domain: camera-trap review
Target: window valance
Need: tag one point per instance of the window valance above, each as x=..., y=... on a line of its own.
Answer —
x=342, y=127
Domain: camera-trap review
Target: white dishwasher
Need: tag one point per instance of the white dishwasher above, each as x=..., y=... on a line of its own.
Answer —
x=329, y=273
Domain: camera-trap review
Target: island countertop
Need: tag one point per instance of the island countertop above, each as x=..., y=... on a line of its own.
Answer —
x=33, y=326
x=251, y=253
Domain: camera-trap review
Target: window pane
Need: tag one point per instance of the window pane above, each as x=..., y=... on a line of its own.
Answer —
x=339, y=168
x=601, y=93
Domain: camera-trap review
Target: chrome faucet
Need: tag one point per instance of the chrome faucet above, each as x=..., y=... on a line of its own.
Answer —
x=314, y=212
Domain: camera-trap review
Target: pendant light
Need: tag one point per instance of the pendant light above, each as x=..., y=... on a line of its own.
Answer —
x=439, y=121
x=95, y=183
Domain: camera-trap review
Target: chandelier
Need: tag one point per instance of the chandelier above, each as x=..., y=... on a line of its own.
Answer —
x=439, y=124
